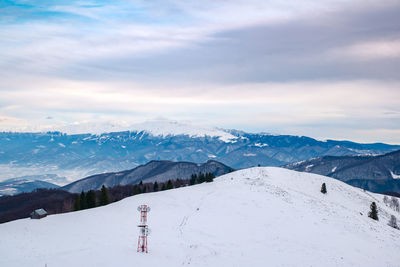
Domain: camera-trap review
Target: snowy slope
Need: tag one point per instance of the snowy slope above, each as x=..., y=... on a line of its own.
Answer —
x=252, y=217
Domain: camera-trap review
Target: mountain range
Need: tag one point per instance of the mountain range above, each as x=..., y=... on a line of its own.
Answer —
x=160, y=171
x=379, y=173
x=79, y=155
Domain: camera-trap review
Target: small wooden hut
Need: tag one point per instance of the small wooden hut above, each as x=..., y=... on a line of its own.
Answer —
x=38, y=214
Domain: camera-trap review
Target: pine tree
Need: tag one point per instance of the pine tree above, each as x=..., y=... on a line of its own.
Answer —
x=77, y=204
x=209, y=177
x=104, y=196
x=323, y=188
x=193, y=179
x=373, y=214
x=393, y=222
x=201, y=178
x=163, y=188
x=90, y=199
x=83, y=201
x=170, y=185
x=155, y=186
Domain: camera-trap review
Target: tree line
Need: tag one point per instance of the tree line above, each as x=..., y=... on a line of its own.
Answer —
x=96, y=198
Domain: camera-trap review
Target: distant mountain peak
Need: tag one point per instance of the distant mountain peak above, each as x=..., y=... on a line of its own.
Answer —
x=163, y=127
x=156, y=127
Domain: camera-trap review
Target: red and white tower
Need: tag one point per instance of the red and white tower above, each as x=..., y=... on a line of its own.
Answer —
x=143, y=228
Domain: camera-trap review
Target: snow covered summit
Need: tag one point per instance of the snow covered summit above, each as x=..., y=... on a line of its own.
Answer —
x=164, y=127
x=155, y=127
x=252, y=217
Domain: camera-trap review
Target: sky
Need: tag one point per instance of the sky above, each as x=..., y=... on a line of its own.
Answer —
x=327, y=69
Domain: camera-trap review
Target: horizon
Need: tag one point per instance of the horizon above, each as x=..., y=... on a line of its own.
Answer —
x=325, y=70
x=200, y=128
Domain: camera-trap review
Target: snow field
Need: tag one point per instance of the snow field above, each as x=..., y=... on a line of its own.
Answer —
x=252, y=217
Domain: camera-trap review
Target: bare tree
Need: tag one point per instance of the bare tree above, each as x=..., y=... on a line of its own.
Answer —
x=385, y=199
x=394, y=204
x=393, y=222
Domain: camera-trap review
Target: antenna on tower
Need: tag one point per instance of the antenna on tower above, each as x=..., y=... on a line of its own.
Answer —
x=144, y=230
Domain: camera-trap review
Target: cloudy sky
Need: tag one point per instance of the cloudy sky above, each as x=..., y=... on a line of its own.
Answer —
x=325, y=69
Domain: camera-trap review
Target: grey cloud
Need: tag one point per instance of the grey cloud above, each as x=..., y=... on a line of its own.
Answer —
x=293, y=50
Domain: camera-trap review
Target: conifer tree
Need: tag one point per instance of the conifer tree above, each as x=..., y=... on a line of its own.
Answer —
x=77, y=204
x=104, y=196
x=163, y=188
x=209, y=177
x=193, y=179
x=201, y=178
x=373, y=214
x=90, y=199
x=170, y=185
x=323, y=188
x=155, y=186
x=83, y=201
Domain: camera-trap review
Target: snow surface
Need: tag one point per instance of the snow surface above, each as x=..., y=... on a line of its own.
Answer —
x=260, y=145
x=308, y=167
x=253, y=217
x=394, y=176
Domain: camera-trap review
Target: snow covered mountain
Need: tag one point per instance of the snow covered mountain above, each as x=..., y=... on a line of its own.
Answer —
x=166, y=128
x=15, y=186
x=160, y=171
x=253, y=217
x=375, y=173
x=80, y=155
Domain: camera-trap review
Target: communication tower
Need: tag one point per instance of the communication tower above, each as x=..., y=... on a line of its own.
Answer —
x=144, y=230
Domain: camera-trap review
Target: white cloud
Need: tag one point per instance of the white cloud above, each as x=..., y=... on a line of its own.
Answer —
x=371, y=50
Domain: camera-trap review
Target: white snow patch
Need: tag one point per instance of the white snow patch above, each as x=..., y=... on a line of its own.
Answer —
x=211, y=156
x=308, y=167
x=9, y=191
x=61, y=144
x=394, y=176
x=334, y=169
x=249, y=154
x=260, y=145
x=123, y=146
